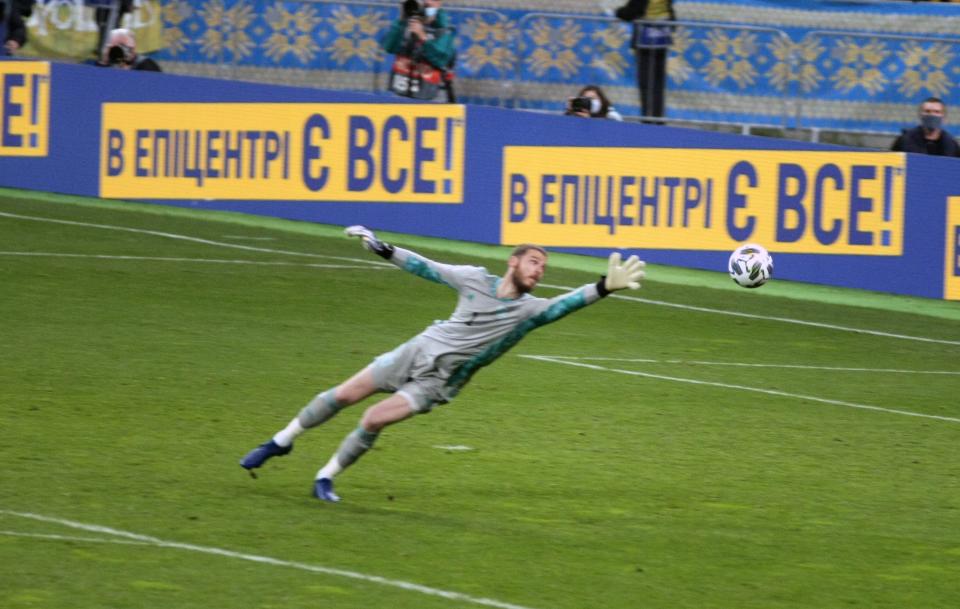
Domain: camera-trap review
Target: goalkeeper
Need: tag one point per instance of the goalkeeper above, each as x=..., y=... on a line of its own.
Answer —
x=492, y=315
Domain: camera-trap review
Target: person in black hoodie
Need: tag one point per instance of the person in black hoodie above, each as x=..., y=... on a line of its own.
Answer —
x=929, y=137
x=13, y=30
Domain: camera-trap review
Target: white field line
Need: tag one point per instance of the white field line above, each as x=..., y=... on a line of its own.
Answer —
x=180, y=237
x=558, y=287
x=207, y=260
x=54, y=537
x=157, y=542
x=784, y=394
x=788, y=320
x=642, y=360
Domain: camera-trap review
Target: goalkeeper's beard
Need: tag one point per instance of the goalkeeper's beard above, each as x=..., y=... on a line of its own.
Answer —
x=521, y=287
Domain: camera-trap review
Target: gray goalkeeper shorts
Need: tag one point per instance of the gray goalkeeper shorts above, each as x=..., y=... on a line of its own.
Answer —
x=419, y=371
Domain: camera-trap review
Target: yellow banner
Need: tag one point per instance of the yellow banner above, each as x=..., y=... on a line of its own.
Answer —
x=951, y=271
x=24, y=108
x=799, y=202
x=68, y=30
x=319, y=152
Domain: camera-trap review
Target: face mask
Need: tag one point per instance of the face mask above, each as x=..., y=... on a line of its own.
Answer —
x=931, y=122
x=595, y=105
x=431, y=11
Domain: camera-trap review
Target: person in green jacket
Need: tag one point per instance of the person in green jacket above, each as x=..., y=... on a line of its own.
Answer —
x=423, y=34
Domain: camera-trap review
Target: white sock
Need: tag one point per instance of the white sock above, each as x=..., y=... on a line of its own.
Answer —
x=286, y=436
x=331, y=469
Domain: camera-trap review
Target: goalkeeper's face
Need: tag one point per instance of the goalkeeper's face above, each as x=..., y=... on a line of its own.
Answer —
x=528, y=270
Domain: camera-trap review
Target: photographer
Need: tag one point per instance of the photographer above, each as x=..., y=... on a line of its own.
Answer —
x=423, y=42
x=120, y=51
x=591, y=102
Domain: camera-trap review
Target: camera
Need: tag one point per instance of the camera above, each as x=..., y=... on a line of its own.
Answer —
x=119, y=55
x=581, y=104
x=412, y=8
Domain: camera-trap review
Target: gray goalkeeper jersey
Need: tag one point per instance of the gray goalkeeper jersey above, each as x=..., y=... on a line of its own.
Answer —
x=483, y=327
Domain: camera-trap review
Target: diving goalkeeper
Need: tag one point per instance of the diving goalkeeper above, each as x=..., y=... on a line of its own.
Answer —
x=492, y=315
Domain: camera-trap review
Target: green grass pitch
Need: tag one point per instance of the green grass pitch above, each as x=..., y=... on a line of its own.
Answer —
x=689, y=447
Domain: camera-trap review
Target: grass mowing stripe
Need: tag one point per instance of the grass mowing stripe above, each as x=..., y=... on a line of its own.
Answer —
x=631, y=298
x=643, y=360
x=784, y=394
x=155, y=541
x=664, y=274
x=683, y=497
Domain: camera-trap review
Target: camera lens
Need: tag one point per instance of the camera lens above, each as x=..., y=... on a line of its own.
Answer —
x=115, y=55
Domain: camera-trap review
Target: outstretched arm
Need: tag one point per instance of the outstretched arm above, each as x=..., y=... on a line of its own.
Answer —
x=370, y=240
x=620, y=275
x=446, y=274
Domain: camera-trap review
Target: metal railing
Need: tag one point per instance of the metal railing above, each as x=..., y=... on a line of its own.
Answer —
x=519, y=81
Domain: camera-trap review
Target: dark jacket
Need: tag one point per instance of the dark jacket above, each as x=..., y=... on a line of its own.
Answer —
x=142, y=62
x=646, y=36
x=636, y=9
x=913, y=140
x=13, y=28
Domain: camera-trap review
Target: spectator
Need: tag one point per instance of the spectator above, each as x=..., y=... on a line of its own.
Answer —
x=591, y=102
x=120, y=51
x=929, y=137
x=13, y=30
x=423, y=41
x=651, y=43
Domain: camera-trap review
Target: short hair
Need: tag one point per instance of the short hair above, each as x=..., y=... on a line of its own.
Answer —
x=934, y=100
x=523, y=248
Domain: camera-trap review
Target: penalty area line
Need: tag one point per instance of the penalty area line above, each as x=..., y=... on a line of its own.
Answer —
x=784, y=394
x=127, y=536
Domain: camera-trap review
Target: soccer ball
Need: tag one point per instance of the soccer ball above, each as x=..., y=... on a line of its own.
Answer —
x=751, y=265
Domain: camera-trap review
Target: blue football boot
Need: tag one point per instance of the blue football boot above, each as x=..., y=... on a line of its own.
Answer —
x=259, y=455
x=323, y=490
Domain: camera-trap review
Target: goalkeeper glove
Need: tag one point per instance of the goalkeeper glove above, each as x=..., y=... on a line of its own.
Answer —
x=620, y=275
x=370, y=241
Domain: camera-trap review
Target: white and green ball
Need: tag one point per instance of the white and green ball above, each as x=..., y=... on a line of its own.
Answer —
x=750, y=265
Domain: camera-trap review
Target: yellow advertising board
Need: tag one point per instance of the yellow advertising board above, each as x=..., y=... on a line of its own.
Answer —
x=410, y=153
x=790, y=201
x=951, y=271
x=24, y=108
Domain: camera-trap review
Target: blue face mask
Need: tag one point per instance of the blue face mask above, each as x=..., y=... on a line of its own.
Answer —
x=431, y=11
x=931, y=122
